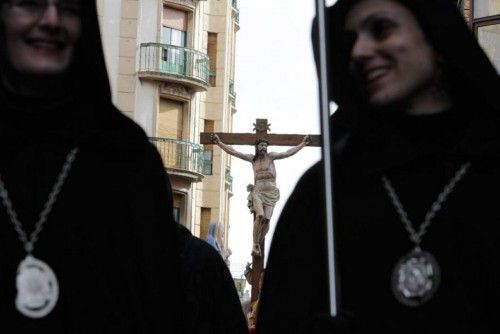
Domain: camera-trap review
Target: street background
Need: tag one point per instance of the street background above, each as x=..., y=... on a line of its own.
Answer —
x=275, y=79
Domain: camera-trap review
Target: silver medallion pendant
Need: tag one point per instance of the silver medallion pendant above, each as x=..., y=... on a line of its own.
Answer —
x=37, y=288
x=415, y=278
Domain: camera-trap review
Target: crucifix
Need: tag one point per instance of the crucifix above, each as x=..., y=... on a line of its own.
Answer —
x=263, y=194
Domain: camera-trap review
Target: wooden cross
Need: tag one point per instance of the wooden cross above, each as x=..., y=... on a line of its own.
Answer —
x=261, y=128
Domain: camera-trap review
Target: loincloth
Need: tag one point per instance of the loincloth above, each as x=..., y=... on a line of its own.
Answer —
x=268, y=197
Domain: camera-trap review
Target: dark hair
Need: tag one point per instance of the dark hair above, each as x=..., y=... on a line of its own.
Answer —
x=260, y=140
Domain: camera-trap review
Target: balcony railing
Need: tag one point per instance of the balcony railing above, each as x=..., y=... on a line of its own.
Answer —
x=231, y=88
x=184, y=156
x=229, y=179
x=232, y=94
x=176, y=62
x=236, y=12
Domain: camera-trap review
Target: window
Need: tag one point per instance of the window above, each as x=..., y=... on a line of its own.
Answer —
x=209, y=126
x=177, y=214
x=205, y=220
x=175, y=36
x=212, y=55
x=489, y=38
x=170, y=121
x=486, y=25
x=178, y=203
x=485, y=8
x=171, y=128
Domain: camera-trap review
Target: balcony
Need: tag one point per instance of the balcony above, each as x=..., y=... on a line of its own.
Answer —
x=236, y=13
x=184, y=158
x=232, y=94
x=229, y=180
x=174, y=64
x=184, y=4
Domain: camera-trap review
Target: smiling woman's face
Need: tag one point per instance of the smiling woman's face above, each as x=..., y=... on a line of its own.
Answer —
x=390, y=56
x=41, y=36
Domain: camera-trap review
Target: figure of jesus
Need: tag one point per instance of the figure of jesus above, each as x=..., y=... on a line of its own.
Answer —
x=263, y=194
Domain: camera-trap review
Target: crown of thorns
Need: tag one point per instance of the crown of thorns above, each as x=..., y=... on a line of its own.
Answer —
x=258, y=141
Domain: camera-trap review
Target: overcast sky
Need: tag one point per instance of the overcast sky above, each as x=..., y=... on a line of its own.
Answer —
x=275, y=79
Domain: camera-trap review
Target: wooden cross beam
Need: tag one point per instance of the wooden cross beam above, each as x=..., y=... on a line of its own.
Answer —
x=261, y=128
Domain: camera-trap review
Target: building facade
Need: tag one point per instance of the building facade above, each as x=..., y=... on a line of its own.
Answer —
x=171, y=67
x=483, y=17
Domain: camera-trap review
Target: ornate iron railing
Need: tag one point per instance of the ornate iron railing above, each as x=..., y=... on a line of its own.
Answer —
x=229, y=179
x=231, y=89
x=165, y=59
x=184, y=155
x=232, y=93
x=236, y=14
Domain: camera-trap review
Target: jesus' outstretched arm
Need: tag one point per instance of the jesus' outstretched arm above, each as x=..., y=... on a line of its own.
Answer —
x=229, y=149
x=275, y=155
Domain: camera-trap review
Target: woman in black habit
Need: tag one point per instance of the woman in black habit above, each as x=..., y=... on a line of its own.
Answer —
x=99, y=253
x=417, y=166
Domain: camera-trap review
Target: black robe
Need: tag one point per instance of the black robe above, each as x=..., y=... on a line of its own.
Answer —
x=110, y=237
x=211, y=303
x=371, y=238
x=419, y=155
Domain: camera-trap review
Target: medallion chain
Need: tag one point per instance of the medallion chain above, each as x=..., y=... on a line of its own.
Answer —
x=29, y=244
x=415, y=236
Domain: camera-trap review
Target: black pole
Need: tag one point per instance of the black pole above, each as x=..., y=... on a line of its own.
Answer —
x=327, y=156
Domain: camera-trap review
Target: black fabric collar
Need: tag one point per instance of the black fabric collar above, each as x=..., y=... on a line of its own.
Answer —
x=387, y=141
x=383, y=142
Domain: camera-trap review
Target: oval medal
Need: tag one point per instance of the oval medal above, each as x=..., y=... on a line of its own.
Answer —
x=415, y=278
x=37, y=288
